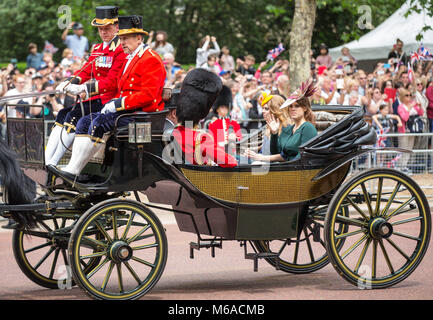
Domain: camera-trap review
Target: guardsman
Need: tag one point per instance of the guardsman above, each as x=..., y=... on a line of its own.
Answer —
x=98, y=79
x=199, y=91
x=139, y=89
x=224, y=129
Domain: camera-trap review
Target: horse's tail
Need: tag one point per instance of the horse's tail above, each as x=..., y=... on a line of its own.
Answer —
x=18, y=188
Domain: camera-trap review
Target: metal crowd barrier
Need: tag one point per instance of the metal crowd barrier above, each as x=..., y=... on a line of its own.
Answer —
x=418, y=164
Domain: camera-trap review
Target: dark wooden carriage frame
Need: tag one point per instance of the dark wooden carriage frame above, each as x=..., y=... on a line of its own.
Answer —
x=139, y=168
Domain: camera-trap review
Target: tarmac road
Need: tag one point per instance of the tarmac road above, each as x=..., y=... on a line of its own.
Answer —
x=228, y=276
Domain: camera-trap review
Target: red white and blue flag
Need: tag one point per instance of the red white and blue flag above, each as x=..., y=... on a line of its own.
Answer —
x=410, y=72
x=424, y=54
x=49, y=47
x=274, y=53
x=381, y=137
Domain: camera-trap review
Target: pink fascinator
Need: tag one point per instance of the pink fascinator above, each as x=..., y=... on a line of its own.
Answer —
x=306, y=90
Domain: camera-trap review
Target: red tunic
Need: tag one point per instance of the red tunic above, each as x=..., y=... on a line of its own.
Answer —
x=105, y=66
x=220, y=130
x=140, y=86
x=208, y=153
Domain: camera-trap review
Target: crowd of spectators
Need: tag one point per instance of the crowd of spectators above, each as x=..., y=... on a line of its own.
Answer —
x=395, y=97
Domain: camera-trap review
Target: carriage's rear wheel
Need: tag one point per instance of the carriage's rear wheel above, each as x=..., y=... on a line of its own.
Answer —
x=307, y=252
x=133, y=253
x=389, y=228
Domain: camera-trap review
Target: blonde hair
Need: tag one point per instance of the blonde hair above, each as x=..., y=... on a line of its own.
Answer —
x=281, y=114
x=66, y=52
x=351, y=83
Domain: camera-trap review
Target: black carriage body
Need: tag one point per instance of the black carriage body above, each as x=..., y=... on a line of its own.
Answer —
x=243, y=203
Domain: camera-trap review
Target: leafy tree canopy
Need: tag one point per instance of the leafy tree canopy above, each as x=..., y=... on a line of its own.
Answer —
x=245, y=26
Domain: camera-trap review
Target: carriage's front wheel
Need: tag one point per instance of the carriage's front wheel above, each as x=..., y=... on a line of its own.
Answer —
x=133, y=252
x=388, y=228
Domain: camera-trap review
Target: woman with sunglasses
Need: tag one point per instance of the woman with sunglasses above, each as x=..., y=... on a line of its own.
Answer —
x=286, y=140
x=408, y=107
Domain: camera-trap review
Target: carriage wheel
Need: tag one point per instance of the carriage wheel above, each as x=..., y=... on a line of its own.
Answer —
x=133, y=253
x=389, y=228
x=41, y=257
x=307, y=252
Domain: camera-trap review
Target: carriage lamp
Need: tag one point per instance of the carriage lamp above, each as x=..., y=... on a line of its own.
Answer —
x=140, y=132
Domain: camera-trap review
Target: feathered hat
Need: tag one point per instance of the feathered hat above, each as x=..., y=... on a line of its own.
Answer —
x=265, y=98
x=306, y=90
x=200, y=88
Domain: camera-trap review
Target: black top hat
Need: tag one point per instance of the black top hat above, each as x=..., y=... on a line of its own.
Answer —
x=105, y=15
x=131, y=25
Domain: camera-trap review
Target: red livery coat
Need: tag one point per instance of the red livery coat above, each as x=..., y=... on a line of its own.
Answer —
x=189, y=140
x=105, y=66
x=220, y=130
x=140, y=86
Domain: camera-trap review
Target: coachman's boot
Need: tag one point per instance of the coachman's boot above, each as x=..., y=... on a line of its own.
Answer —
x=64, y=143
x=52, y=143
x=82, y=151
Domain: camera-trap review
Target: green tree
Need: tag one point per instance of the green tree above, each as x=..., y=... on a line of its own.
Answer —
x=245, y=26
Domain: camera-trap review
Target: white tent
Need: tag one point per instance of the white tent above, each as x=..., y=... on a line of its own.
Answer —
x=377, y=44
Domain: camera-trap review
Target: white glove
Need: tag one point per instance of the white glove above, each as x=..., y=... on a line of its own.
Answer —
x=61, y=86
x=109, y=107
x=76, y=89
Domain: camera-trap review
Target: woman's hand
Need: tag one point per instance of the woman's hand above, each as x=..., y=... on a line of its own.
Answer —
x=252, y=155
x=274, y=124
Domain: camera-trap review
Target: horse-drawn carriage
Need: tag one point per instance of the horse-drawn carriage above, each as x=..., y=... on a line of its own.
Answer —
x=298, y=216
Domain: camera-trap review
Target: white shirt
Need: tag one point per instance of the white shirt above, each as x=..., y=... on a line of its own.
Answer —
x=14, y=92
x=131, y=56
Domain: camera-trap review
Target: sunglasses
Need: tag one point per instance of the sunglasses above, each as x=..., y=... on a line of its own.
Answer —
x=408, y=95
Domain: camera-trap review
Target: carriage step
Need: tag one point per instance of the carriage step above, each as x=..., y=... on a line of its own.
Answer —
x=263, y=255
x=205, y=244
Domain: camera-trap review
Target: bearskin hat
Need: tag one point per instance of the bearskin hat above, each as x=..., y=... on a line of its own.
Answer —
x=225, y=98
x=200, y=88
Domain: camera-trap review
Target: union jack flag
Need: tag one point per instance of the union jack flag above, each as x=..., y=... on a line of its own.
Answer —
x=274, y=53
x=381, y=137
x=394, y=161
x=49, y=47
x=424, y=54
x=414, y=58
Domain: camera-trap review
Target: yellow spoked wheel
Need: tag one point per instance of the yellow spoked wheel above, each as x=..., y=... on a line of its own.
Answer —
x=307, y=252
x=388, y=228
x=132, y=254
